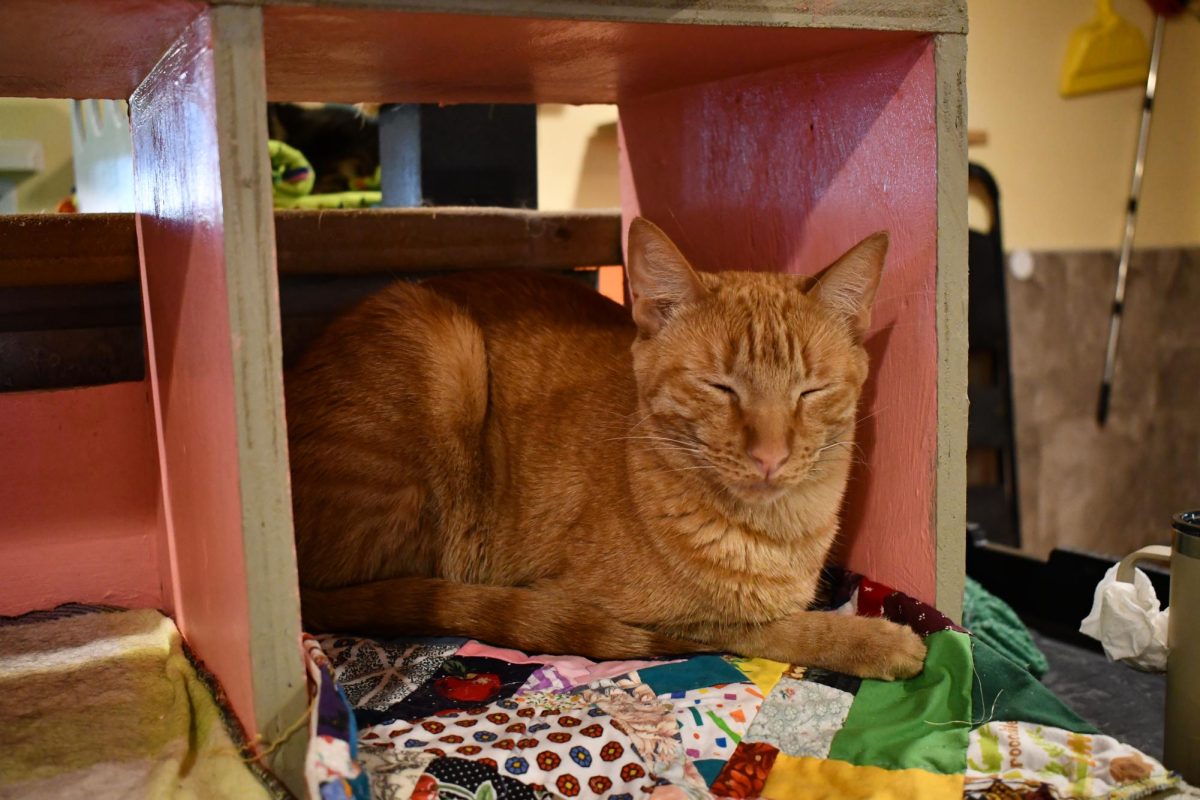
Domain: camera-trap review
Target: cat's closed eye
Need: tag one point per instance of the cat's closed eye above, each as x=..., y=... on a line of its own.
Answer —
x=724, y=389
x=813, y=391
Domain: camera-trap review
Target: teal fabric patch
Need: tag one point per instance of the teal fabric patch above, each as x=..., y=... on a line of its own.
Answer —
x=709, y=769
x=695, y=673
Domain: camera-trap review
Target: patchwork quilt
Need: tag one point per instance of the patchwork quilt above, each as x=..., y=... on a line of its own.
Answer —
x=434, y=719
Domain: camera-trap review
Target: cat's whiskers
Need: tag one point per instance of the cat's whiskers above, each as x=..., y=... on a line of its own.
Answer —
x=648, y=438
x=688, y=469
x=670, y=449
x=852, y=445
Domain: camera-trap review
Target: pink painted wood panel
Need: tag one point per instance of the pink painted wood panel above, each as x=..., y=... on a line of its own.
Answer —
x=179, y=203
x=373, y=55
x=79, y=493
x=786, y=169
x=85, y=48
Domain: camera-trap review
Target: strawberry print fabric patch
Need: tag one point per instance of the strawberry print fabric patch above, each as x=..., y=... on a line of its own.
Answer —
x=459, y=683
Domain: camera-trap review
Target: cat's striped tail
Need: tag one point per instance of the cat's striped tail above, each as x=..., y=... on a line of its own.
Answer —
x=524, y=619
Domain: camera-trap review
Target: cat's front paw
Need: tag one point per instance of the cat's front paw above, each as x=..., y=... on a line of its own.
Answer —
x=896, y=652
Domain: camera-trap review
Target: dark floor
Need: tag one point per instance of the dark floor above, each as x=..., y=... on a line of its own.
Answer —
x=1122, y=702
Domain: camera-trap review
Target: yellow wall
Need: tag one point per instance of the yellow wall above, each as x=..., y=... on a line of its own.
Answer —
x=577, y=157
x=49, y=122
x=1063, y=166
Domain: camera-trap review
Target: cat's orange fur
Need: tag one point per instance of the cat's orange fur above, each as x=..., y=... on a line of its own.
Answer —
x=511, y=457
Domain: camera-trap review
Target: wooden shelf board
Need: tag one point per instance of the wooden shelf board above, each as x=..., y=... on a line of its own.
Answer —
x=85, y=48
x=67, y=249
x=75, y=249
x=928, y=16
x=373, y=55
x=455, y=51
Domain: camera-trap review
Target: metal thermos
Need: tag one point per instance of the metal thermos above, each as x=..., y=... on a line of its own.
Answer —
x=1181, y=750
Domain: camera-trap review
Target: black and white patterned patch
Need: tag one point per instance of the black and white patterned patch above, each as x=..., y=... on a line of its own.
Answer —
x=375, y=674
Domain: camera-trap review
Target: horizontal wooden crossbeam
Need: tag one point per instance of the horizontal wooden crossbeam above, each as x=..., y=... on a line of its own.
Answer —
x=80, y=249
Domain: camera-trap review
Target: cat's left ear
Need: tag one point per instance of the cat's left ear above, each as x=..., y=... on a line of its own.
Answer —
x=660, y=279
x=848, y=285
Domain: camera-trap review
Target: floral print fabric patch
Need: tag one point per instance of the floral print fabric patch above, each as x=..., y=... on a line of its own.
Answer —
x=800, y=718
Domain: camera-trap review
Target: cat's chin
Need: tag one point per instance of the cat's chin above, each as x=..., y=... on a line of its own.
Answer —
x=759, y=492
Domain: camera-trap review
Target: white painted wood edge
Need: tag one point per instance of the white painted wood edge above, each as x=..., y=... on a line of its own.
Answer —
x=277, y=671
x=950, y=503
x=926, y=16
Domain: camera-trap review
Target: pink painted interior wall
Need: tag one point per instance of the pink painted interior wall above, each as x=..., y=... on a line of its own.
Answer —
x=178, y=195
x=785, y=170
x=78, y=498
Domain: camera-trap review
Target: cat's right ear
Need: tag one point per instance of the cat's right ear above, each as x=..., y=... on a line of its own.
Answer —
x=660, y=279
x=848, y=285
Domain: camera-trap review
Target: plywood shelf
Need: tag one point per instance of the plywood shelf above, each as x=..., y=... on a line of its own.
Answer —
x=77, y=249
x=567, y=51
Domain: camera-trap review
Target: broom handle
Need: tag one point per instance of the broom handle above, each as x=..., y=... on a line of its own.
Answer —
x=1135, y=191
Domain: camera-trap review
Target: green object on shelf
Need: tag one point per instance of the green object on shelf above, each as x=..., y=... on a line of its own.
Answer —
x=993, y=621
x=292, y=179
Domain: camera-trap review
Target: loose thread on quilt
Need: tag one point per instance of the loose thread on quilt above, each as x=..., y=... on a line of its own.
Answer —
x=247, y=754
x=989, y=717
x=287, y=733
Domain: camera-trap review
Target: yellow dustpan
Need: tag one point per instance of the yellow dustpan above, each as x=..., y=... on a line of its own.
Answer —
x=1106, y=53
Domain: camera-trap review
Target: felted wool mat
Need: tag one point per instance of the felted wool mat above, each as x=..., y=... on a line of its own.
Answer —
x=101, y=703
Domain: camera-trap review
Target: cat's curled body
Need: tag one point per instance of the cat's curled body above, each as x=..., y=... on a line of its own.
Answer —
x=510, y=456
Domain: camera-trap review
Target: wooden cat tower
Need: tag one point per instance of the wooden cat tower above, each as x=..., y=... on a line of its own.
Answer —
x=762, y=135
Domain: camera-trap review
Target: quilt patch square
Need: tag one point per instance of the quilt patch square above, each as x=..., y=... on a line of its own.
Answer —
x=796, y=778
x=457, y=684
x=695, y=673
x=834, y=680
x=800, y=718
x=377, y=674
x=712, y=721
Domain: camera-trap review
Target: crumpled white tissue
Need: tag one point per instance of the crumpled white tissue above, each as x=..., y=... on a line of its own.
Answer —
x=1129, y=622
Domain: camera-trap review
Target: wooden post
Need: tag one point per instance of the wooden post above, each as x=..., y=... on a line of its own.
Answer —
x=400, y=154
x=212, y=317
x=950, y=62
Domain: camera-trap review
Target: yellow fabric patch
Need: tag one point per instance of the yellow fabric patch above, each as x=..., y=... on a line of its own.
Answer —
x=815, y=779
x=763, y=672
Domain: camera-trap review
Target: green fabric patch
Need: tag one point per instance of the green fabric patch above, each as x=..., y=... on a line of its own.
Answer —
x=695, y=673
x=1007, y=691
x=919, y=723
x=993, y=621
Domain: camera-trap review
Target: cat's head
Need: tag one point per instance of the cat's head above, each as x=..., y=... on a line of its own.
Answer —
x=750, y=380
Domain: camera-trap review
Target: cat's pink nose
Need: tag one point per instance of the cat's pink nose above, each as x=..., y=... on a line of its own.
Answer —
x=768, y=457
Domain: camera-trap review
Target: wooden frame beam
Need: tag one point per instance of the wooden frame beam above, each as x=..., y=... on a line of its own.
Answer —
x=80, y=249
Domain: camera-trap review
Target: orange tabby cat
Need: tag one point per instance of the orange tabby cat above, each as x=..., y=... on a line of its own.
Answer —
x=512, y=457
